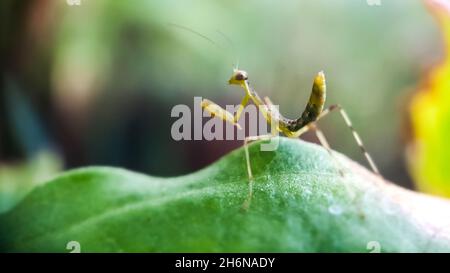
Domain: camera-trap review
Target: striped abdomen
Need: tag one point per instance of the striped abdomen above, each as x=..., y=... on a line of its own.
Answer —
x=313, y=108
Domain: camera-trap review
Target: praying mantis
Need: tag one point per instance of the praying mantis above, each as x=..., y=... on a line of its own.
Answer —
x=292, y=128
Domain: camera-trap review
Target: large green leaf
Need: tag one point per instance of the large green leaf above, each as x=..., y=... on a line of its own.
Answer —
x=300, y=203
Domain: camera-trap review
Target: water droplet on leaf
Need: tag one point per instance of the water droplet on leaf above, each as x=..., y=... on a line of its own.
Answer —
x=335, y=209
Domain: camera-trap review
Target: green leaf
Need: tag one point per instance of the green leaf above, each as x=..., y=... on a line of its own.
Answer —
x=17, y=180
x=300, y=203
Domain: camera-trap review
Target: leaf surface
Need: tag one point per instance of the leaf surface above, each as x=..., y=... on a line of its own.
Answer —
x=300, y=203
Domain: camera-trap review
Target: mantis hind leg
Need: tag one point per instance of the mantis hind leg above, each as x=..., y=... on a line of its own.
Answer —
x=354, y=133
x=323, y=141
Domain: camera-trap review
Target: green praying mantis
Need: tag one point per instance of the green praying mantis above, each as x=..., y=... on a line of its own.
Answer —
x=293, y=128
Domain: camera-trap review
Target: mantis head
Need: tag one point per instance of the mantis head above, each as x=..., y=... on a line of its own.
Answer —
x=238, y=77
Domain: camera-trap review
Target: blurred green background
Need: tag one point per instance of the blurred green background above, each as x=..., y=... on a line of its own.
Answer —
x=94, y=84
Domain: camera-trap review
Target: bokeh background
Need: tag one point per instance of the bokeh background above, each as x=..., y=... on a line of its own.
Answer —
x=94, y=84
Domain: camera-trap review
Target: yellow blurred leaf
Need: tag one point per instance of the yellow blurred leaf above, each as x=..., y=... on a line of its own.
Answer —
x=429, y=155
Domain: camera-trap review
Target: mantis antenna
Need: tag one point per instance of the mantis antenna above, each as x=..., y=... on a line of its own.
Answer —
x=211, y=41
